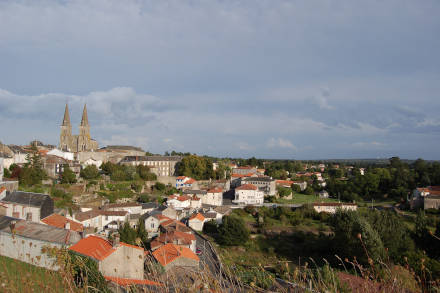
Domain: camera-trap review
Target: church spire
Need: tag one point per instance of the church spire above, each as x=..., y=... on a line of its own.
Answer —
x=85, y=119
x=66, y=119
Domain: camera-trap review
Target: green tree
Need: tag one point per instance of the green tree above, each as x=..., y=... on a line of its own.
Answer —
x=233, y=231
x=90, y=172
x=127, y=234
x=354, y=237
x=284, y=191
x=210, y=227
x=296, y=188
x=67, y=176
x=32, y=172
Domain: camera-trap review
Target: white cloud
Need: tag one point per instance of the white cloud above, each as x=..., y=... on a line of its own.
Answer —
x=280, y=143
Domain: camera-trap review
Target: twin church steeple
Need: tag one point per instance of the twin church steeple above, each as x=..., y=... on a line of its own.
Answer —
x=76, y=143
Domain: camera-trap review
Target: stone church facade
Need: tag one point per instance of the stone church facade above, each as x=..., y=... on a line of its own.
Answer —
x=76, y=143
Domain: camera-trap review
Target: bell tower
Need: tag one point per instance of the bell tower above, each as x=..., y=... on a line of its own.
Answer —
x=66, y=131
x=84, y=132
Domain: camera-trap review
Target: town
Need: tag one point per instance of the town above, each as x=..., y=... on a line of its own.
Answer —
x=142, y=217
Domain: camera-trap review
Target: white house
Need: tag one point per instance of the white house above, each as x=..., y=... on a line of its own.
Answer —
x=65, y=155
x=213, y=197
x=196, y=222
x=332, y=207
x=248, y=194
x=179, y=202
x=131, y=207
x=183, y=182
x=90, y=219
x=195, y=202
x=91, y=161
x=28, y=206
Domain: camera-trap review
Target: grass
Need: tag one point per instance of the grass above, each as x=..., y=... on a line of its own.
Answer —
x=299, y=198
x=17, y=276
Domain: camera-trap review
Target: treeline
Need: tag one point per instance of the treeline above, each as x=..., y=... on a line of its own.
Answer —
x=127, y=173
x=396, y=181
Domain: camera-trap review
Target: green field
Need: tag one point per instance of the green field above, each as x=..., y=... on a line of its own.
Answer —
x=17, y=276
x=299, y=198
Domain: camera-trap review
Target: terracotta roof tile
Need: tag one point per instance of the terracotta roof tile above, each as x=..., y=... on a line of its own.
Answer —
x=197, y=216
x=215, y=190
x=246, y=187
x=170, y=252
x=59, y=221
x=93, y=246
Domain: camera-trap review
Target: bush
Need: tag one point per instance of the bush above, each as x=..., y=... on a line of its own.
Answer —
x=296, y=188
x=210, y=227
x=90, y=172
x=233, y=231
x=159, y=186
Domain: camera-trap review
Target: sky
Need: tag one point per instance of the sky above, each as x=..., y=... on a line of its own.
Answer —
x=266, y=78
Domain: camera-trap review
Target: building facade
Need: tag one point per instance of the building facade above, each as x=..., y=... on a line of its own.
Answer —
x=76, y=143
x=159, y=165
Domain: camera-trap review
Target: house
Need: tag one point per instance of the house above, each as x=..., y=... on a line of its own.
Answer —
x=196, y=222
x=54, y=165
x=183, y=182
x=113, y=257
x=244, y=170
x=92, y=218
x=2, y=192
x=195, y=202
x=288, y=183
x=248, y=194
x=179, y=202
x=131, y=207
x=30, y=241
x=58, y=153
x=332, y=207
x=172, y=255
x=323, y=194
x=426, y=197
x=222, y=211
x=171, y=213
x=148, y=207
x=212, y=215
x=236, y=179
x=59, y=221
x=28, y=206
x=187, y=240
x=92, y=162
x=213, y=197
x=160, y=165
x=113, y=216
x=173, y=225
x=265, y=184
x=152, y=223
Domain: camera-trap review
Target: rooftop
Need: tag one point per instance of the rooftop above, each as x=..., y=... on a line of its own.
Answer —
x=246, y=187
x=26, y=198
x=38, y=231
x=59, y=221
x=170, y=252
x=197, y=216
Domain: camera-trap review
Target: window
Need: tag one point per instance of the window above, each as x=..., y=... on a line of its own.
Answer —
x=28, y=216
x=152, y=225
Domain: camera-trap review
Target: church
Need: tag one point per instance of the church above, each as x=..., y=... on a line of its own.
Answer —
x=76, y=143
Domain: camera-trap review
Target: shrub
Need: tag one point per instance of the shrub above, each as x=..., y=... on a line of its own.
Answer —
x=233, y=231
x=90, y=172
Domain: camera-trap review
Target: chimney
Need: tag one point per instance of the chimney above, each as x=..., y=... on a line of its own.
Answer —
x=115, y=240
x=67, y=225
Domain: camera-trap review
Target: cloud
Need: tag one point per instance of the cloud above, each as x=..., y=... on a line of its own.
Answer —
x=221, y=77
x=280, y=143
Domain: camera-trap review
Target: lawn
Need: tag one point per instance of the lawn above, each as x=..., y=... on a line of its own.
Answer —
x=17, y=276
x=299, y=198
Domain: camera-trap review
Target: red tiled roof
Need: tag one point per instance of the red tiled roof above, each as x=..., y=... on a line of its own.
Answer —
x=183, y=198
x=284, y=182
x=242, y=175
x=190, y=181
x=2, y=189
x=162, y=217
x=93, y=246
x=180, y=177
x=59, y=221
x=246, y=187
x=197, y=216
x=170, y=252
x=127, y=282
x=215, y=190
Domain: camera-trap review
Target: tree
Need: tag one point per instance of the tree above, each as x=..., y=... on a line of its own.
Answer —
x=127, y=234
x=32, y=172
x=296, y=188
x=210, y=227
x=284, y=191
x=354, y=237
x=233, y=231
x=67, y=176
x=145, y=173
x=90, y=172
x=159, y=186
